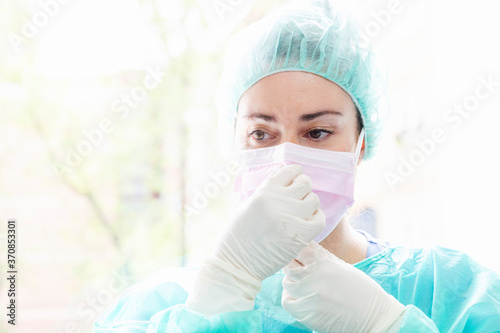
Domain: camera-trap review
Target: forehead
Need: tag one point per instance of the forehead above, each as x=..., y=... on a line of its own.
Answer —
x=294, y=92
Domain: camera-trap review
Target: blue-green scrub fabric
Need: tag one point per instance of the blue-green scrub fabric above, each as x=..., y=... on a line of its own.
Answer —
x=443, y=291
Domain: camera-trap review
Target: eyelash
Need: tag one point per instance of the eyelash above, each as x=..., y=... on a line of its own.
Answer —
x=309, y=132
x=253, y=132
x=320, y=130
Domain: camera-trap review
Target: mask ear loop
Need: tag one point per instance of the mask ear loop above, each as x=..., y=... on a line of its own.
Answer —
x=359, y=144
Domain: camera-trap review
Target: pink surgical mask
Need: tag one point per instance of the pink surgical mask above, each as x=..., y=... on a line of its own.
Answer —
x=332, y=174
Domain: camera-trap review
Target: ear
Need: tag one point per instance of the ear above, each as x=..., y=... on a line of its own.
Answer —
x=362, y=152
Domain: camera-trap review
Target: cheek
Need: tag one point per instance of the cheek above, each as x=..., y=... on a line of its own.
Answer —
x=341, y=146
x=350, y=144
x=341, y=143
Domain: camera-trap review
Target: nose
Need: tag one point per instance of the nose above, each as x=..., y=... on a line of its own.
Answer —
x=288, y=136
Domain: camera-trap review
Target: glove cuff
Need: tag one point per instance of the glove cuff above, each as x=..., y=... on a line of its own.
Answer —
x=217, y=290
x=390, y=321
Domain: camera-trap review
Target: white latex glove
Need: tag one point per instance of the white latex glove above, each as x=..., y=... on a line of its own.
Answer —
x=328, y=295
x=268, y=231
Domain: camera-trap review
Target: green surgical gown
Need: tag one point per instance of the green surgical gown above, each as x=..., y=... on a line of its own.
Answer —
x=443, y=291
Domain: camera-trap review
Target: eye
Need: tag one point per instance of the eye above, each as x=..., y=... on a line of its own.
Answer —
x=319, y=133
x=258, y=135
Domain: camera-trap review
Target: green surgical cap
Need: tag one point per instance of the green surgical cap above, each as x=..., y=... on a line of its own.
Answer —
x=312, y=36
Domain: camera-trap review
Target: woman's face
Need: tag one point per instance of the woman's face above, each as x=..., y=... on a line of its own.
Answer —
x=297, y=107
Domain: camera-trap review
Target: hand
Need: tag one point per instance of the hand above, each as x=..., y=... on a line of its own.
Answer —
x=328, y=295
x=273, y=225
x=269, y=230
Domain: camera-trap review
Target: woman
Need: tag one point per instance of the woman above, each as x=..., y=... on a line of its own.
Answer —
x=300, y=103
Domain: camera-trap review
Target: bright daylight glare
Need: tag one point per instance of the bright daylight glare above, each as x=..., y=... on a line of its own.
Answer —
x=110, y=160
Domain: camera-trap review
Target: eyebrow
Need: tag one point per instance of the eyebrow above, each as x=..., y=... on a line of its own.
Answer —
x=312, y=116
x=303, y=118
x=258, y=115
